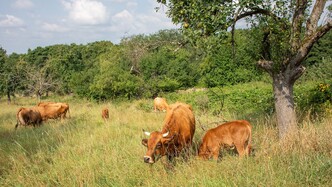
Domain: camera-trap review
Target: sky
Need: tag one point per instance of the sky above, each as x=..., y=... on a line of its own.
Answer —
x=27, y=24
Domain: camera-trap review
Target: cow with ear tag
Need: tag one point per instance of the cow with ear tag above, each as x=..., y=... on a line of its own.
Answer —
x=175, y=137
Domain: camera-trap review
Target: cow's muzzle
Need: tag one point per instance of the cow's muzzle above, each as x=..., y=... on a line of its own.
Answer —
x=148, y=159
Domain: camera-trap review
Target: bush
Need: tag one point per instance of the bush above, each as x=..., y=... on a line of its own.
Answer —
x=321, y=94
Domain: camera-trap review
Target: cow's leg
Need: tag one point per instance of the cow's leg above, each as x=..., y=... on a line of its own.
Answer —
x=247, y=149
x=240, y=149
x=215, y=152
x=203, y=151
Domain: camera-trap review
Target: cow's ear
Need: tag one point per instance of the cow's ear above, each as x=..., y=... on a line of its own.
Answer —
x=145, y=142
x=169, y=139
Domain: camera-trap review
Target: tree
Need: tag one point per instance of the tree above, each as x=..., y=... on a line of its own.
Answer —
x=37, y=80
x=137, y=46
x=290, y=29
x=113, y=80
x=3, y=60
x=9, y=76
x=165, y=70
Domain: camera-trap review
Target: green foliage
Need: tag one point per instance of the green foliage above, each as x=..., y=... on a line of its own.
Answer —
x=244, y=101
x=166, y=70
x=226, y=65
x=146, y=65
x=322, y=93
x=313, y=100
x=114, y=80
x=3, y=59
x=10, y=74
x=321, y=51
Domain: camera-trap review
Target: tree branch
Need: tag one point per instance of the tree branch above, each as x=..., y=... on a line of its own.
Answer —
x=266, y=65
x=298, y=17
x=297, y=73
x=257, y=11
x=309, y=41
x=317, y=11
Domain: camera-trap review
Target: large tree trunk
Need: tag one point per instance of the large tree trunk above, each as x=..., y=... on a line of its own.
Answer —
x=284, y=105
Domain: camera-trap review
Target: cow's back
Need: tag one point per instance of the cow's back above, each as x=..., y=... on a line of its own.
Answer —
x=160, y=103
x=231, y=130
x=44, y=103
x=49, y=111
x=180, y=121
x=62, y=108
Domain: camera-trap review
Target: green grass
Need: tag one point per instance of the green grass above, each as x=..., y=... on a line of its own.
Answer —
x=85, y=151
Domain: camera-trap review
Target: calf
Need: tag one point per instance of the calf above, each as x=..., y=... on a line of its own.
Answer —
x=234, y=133
x=105, y=114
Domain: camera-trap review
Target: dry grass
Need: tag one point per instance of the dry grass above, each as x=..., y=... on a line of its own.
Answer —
x=85, y=151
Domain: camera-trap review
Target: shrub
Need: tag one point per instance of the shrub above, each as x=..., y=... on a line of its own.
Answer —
x=322, y=93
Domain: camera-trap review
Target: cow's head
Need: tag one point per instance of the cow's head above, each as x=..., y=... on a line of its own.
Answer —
x=157, y=145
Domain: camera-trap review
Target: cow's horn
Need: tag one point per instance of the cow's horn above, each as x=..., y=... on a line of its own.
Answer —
x=146, y=132
x=165, y=134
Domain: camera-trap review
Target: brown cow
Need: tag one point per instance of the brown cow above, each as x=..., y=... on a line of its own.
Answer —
x=105, y=114
x=160, y=104
x=52, y=111
x=234, y=133
x=176, y=135
x=28, y=116
x=64, y=107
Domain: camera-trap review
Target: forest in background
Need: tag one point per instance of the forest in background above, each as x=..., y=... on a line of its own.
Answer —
x=144, y=66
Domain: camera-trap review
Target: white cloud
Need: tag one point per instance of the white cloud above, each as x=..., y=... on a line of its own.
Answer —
x=53, y=27
x=119, y=1
x=123, y=22
x=86, y=12
x=23, y=4
x=127, y=23
x=11, y=21
x=132, y=4
x=124, y=15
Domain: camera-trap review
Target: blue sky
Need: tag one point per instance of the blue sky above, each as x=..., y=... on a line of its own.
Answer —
x=28, y=24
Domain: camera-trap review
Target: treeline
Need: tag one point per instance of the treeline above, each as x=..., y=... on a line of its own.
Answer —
x=141, y=66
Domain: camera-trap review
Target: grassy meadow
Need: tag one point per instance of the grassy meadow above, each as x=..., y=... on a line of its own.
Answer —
x=85, y=151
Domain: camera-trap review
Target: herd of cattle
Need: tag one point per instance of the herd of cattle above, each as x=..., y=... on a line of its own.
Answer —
x=42, y=112
x=175, y=137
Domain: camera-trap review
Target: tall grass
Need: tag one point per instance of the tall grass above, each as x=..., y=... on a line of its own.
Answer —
x=85, y=151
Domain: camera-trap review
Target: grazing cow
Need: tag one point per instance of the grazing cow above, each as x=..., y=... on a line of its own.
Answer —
x=28, y=116
x=52, y=111
x=105, y=114
x=160, y=104
x=64, y=108
x=176, y=134
x=234, y=133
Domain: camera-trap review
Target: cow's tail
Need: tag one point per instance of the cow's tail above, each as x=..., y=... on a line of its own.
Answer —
x=19, y=118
